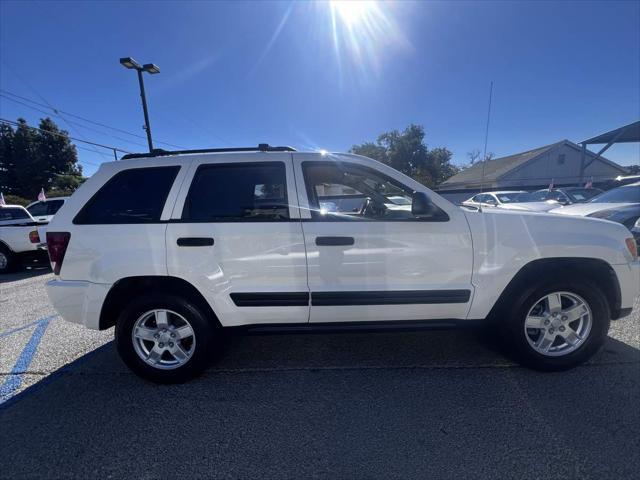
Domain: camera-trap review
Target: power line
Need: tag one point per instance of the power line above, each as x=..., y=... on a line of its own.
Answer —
x=58, y=111
x=69, y=121
x=11, y=122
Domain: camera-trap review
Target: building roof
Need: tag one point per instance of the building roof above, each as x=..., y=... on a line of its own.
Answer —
x=497, y=167
x=627, y=134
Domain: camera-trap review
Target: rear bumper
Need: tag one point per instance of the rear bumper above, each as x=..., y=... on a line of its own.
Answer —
x=77, y=301
x=629, y=280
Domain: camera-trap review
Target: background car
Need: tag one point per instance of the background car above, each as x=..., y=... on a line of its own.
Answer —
x=606, y=203
x=20, y=239
x=547, y=199
x=636, y=231
x=44, y=210
x=493, y=199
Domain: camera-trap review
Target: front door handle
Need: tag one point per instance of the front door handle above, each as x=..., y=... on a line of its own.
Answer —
x=334, y=241
x=195, y=242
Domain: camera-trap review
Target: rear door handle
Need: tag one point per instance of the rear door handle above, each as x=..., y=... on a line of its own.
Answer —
x=334, y=241
x=195, y=242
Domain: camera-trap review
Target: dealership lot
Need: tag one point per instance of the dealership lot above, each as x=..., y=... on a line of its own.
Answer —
x=414, y=404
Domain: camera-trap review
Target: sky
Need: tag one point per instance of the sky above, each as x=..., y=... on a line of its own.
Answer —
x=324, y=75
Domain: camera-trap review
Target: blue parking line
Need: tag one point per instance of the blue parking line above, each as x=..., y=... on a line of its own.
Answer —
x=15, y=330
x=14, y=379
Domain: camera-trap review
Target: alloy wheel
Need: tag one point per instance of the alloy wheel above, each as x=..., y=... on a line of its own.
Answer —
x=163, y=339
x=558, y=323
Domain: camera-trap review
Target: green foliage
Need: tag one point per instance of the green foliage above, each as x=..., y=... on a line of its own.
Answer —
x=633, y=169
x=15, y=200
x=32, y=159
x=406, y=151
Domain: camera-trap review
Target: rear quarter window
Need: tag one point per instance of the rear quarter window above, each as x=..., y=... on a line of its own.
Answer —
x=136, y=195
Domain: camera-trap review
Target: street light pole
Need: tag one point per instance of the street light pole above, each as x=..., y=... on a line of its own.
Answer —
x=130, y=63
x=147, y=125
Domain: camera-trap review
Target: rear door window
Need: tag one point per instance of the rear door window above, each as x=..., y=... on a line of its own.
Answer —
x=238, y=192
x=136, y=195
x=38, y=209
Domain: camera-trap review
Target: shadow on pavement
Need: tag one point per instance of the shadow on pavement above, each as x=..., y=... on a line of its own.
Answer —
x=24, y=274
x=405, y=405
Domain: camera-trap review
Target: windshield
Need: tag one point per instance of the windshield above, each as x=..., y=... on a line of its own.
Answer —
x=583, y=194
x=508, y=197
x=540, y=196
x=626, y=194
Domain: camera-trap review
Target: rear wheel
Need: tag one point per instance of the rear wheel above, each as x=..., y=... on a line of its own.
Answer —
x=165, y=339
x=557, y=326
x=7, y=260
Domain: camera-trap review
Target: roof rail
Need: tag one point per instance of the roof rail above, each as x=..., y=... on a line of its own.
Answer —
x=158, y=152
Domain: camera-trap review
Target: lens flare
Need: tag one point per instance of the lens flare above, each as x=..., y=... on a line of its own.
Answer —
x=352, y=12
x=363, y=32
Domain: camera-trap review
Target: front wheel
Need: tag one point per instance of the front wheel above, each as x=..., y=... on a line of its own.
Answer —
x=558, y=326
x=164, y=339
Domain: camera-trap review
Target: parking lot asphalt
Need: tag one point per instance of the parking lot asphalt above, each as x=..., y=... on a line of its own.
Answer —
x=437, y=404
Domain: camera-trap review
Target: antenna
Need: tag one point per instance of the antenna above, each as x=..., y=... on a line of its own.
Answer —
x=486, y=138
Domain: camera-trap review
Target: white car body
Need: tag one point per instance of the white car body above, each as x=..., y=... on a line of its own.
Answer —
x=43, y=215
x=471, y=258
x=585, y=209
x=545, y=206
x=476, y=200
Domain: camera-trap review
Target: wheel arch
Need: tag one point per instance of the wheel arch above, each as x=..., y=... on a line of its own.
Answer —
x=594, y=269
x=5, y=246
x=126, y=288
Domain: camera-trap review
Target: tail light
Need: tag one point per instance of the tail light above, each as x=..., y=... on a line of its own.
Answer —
x=34, y=237
x=57, y=245
x=632, y=247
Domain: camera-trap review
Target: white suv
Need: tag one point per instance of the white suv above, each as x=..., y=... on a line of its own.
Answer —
x=174, y=247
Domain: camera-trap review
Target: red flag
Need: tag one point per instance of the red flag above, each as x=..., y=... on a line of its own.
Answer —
x=551, y=185
x=41, y=195
x=589, y=184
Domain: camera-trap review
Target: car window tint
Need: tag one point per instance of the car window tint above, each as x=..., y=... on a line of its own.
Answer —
x=626, y=194
x=53, y=206
x=12, y=214
x=38, y=209
x=136, y=195
x=239, y=192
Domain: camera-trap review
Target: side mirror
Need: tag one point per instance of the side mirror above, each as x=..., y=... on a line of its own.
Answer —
x=421, y=204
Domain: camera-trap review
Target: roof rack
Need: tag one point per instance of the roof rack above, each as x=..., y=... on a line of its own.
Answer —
x=158, y=152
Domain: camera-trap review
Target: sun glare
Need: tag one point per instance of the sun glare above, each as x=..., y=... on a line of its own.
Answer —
x=352, y=12
x=364, y=32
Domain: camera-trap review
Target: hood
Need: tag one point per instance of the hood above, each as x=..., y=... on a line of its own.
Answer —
x=530, y=206
x=584, y=209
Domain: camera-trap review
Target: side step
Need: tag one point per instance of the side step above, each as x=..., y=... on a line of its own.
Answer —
x=358, y=327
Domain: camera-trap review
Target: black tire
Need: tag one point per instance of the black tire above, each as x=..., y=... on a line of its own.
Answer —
x=11, y=260
x=204, y=328
x=513, y=332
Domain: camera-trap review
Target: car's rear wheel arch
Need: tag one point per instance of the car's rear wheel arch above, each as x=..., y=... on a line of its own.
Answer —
x=125, y=289
x=530, y=276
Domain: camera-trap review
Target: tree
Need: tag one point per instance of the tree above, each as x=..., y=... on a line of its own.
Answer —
x=31, y=159
x=57, y=158
x=474, y=156
x=633, y=169
x=7, y=169
x=24, y=164
x=406, y=151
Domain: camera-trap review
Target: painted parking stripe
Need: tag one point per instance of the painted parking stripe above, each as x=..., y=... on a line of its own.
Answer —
x=14, y=379
x=24, y=327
